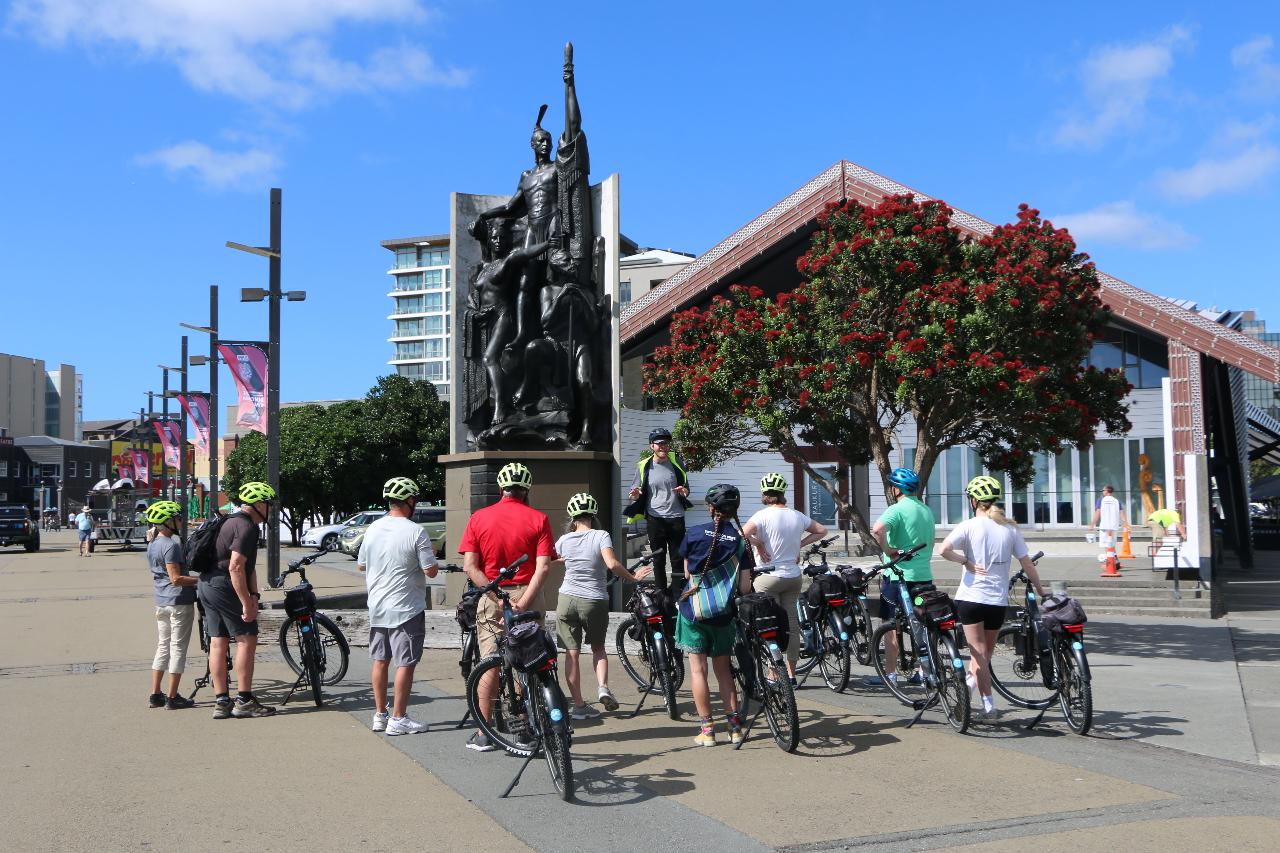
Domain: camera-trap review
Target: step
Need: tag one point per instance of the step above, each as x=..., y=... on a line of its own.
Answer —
x=1179, y=612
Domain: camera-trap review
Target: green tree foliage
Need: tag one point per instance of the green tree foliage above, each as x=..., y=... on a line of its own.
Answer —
x=983, y=342
x=334, y=460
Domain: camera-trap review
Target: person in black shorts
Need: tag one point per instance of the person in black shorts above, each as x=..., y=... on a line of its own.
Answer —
x=229, y=593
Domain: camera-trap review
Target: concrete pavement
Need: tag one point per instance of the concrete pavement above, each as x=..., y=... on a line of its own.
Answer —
x=86, y=766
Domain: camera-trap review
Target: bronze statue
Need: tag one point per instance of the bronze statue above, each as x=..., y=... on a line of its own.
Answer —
x=536, y=329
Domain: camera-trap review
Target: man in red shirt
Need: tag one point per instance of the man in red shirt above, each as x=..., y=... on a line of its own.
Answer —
x=496, y=537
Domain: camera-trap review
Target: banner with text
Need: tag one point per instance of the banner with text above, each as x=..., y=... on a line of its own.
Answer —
x=197, y=408
x=124, y=472
x=171, y=440
x=248, y=365
x=140, y=466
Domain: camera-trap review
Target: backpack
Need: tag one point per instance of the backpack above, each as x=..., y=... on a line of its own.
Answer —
x=530, y=647
x=933, y=607
x=761, y=614
x=465, y=613
x=1059, y=611
x=856, y=580
x=200, y=549
x=824, y=590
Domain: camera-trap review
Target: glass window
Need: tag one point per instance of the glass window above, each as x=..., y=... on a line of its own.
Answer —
x=955, y=485
x=411, y=371
x=434, y=325
x=71, y=468
x=1108, y=349
x=1086, y=485
x=1108, y=468
x=433, y=302
x=412, y=281
x=4, y=467
x=429, y=257
x=624, y=292
x=412, y=349
x=1151, y=485
x=102, y=470
x=433, y=279
x=406, y=256
x=409, y=305
x=434, y=371
x=1065, y=496
x=433, y=348
x=1154, y=356
x=409, y=328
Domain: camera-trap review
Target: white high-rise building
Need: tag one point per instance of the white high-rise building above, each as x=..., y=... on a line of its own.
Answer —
x=422, y=293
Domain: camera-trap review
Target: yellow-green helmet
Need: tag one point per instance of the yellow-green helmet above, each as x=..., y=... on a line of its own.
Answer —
x=251, y=493
x=773, y=483
x=161, y=511
x=400, y=489
x=514, y=474
x=582, y=504
x=983, y=488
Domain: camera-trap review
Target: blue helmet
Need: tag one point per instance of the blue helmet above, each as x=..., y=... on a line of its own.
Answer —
x=905, y=479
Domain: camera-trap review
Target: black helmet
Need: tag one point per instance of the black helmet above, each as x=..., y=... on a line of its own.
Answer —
x=724, y=497
x=660, y=434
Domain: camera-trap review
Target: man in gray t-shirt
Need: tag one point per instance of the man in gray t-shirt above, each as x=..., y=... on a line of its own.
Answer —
x=662, y=488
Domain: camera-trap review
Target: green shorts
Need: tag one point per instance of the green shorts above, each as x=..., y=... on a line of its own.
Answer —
x=702, y=638
x=575, y=616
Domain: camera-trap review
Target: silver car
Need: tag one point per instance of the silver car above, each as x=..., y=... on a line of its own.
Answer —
x=326, y=536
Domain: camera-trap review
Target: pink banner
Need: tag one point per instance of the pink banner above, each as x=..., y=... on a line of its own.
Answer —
x=197, y=408
x=141, y=466
x=171, y=440
x=124, y=472
x=248, y=365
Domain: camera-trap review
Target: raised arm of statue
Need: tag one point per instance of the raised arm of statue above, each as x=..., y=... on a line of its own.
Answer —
x=523, y=255
x=572, y=116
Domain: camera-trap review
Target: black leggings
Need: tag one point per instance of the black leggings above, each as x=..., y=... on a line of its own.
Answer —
x=665, y=536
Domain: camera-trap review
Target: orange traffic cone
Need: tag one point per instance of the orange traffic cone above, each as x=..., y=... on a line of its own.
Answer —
x=1126, y=551
x=1112, y=567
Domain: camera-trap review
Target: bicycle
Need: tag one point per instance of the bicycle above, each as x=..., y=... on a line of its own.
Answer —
x=1033, y=667
x=759, y=667
x=312, y=645
x=535, y=695
x=644, y=639
x=826, y=615
x=207, y=679
x=926, y=649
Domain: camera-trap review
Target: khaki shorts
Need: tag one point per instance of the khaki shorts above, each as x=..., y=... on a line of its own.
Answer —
x=489, y=618
x=576, y=616
x=785, y=591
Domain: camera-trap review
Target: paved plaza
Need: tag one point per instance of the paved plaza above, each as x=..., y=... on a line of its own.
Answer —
x=1185, y=733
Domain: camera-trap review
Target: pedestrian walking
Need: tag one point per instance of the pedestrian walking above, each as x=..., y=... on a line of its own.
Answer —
x=582, y=610
x=1108, y=517
x=985, y=545
x=397, y=558
x=907, y=522
x=1170, y=521
x=778, y=533
x=175, y=600
x=494, y=538
x=229, y=594
x=660, y=494
x=84, y=528
x=713, y=553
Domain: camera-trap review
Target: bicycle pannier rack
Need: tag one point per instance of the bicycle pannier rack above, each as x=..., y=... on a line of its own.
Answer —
x=1060, y=611
x=761, y=614
x=934, y=607
x=530, y=647
x=826, y=589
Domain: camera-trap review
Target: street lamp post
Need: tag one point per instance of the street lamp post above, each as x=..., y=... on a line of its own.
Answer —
x=214, y=439
x=273, y=295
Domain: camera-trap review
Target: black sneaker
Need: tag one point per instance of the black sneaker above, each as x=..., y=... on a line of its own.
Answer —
x=177, y=703
x=157, y=700
x=222, y=709
x=251, y=708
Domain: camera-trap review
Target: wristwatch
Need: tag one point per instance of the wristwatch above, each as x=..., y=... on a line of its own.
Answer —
x=256, y=595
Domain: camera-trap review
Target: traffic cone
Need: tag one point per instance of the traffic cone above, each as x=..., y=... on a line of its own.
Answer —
x=1126, y=552
x=1112, y=567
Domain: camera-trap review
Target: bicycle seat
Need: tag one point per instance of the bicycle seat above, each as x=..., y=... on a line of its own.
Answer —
x=814, y=571
x=527, y=616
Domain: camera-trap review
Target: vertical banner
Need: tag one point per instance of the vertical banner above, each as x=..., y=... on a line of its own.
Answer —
x=197, y=408
x=248, y=365
x=171, y=440
x=124, y=472
x=141, y=466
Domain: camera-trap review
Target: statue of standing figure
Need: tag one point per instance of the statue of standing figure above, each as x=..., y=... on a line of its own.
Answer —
x=535, y=319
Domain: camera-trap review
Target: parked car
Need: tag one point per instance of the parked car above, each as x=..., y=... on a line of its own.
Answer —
x=17, y=527
x=326, y=535
x=430, y=517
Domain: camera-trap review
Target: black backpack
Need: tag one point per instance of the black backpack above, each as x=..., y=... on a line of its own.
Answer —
x=762, y=615
x=530, y=647
x=465, y=613
x=201, y=547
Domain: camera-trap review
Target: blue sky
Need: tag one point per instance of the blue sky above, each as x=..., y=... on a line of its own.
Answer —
x=140, y=135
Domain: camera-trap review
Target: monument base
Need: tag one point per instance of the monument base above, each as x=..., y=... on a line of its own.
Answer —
x=471, y=483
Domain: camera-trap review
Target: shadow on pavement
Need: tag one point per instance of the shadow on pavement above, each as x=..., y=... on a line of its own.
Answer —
x=1169, y=639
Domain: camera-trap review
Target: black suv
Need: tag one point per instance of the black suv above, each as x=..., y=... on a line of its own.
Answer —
x=17, y=528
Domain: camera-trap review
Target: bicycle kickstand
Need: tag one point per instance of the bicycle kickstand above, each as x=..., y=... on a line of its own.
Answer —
x=295, y=686
x=920, y=706
x=463, y=721
x=515, y=780
x=644, y=694
x=1031, y=725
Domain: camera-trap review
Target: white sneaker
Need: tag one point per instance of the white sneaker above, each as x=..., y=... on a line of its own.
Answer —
x=380, y=721
x=607, y=699
x=989, y=710
x=584, y=712
x=405, y=725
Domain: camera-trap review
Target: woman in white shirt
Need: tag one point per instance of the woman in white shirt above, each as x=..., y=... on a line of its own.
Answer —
x=985, y=545
x=778, y=533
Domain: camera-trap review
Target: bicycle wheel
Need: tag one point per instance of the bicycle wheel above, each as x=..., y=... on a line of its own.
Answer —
x=779, y=702
x=1012, y=677
x=909, y=686
x=662, y=663
x=633, y=651
x=315, y=668
x=507, y=704
x=834, y=664
x=952, y=691
x=860, y=632
x=335, y=653
x=1076, y=693
x=548, y=703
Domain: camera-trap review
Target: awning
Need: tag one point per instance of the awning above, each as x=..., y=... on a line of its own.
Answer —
x=1264, y=436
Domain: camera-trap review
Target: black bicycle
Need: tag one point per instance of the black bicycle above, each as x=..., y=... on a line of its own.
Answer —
x=207, y=679
x=465, y=615
x=1033, y=667
x=929, y=669
x=646, y=647
x=759, y=666
x=528, y=688
x=313, y=646
x=827, y=612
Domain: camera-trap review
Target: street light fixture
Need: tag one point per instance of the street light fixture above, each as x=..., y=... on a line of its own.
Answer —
x=252, y=294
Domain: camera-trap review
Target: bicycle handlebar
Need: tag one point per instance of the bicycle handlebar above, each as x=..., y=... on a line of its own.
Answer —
x=903, y=556
x=297, y=566
x=1022, y=575
x=503, y=575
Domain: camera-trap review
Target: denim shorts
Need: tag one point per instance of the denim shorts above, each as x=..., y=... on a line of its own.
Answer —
x=891, y=596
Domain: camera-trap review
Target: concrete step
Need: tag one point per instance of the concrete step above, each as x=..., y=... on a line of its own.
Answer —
x=1202, y=612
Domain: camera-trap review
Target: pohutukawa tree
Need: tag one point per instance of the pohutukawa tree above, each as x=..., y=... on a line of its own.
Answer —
x=983, y=341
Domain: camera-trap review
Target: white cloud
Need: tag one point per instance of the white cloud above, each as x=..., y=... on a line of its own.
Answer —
x=253, y=168
x=1236, y=132
x=1229, y=174
x=1262, y=76
x=277, y=52
x=1120, y=223
x=1118, y=81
